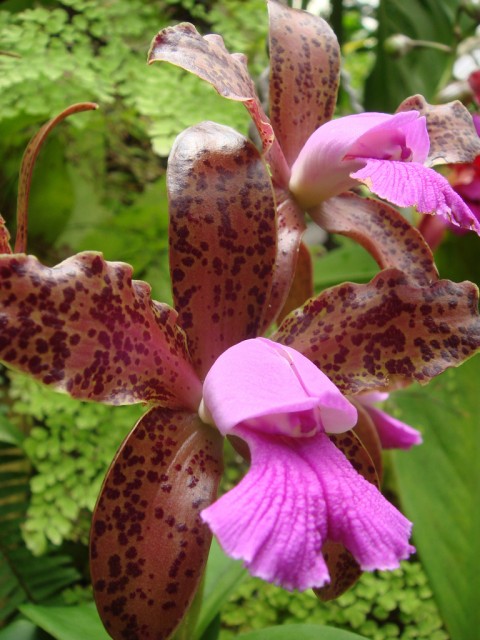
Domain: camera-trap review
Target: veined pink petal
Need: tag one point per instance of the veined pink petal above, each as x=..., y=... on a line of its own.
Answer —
x=297, y=494
x=476, y=122
x=409, y=184
x=324, y=166
x=258, y=378
x=393, y=433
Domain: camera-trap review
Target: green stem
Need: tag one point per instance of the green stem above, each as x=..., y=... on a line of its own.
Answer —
x=336, y=20
x=187, y=627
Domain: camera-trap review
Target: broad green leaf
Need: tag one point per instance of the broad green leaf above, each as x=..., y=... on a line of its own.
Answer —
x=419, y=71
x=300, y=632
x=439, y=484
x=222, y=577
x=9, y=433
x=457, y=257
x=23, y=630
x=67, y=623
x=347, y=263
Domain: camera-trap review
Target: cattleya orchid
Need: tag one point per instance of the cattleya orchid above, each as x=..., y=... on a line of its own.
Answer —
x=313, y=161
x=87, y=328
x=309, y=512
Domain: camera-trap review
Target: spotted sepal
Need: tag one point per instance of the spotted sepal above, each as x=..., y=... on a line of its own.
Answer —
x=4, y=238
x=302, y=285
x=291, y=226
x=148, y=544
x=344, y=570
x=387, y=333
x=453, y=137
x=382, y=231
x=208, y=58
x=222, y=238
x=86, y=328
x=304, y=75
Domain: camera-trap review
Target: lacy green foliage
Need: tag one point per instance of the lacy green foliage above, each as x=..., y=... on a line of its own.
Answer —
x=70, y=447
x=84, y=50
x=137, y=234
x=395, y=604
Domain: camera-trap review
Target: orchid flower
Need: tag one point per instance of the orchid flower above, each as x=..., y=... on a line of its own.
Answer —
x=294, y=497
x=85, y=327
x=313, y=161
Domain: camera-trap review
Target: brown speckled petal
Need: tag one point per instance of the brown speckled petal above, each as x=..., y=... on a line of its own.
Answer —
x=291, y=225
x=302, y=285
x=387, y=333
x=305, y=66
x=344, y=570
x=453, y=137
x=148, y=544
x=208, y=58
x=86, y=328
x=4, y=238
x=222, y=238
x=382, y=231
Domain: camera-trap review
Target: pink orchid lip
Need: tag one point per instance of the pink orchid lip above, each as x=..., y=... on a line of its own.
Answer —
x=340, y=147
x=272, y=387
x=297, y=494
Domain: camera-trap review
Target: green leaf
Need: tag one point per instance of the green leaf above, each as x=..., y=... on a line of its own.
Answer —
x=348, y=263
x=419, y=71
x=300, y=632
x=67, y=623
x=22, y=630
x=213, y=630
x=223, y=575
x=9, y=433
x=439, y=484
x=23, y=577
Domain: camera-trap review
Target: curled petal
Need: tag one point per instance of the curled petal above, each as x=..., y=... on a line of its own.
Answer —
x=409, y=184
x=259, y=378
x=28, y=165
x=208, y=58
x=85, y=327
x=297, y=494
